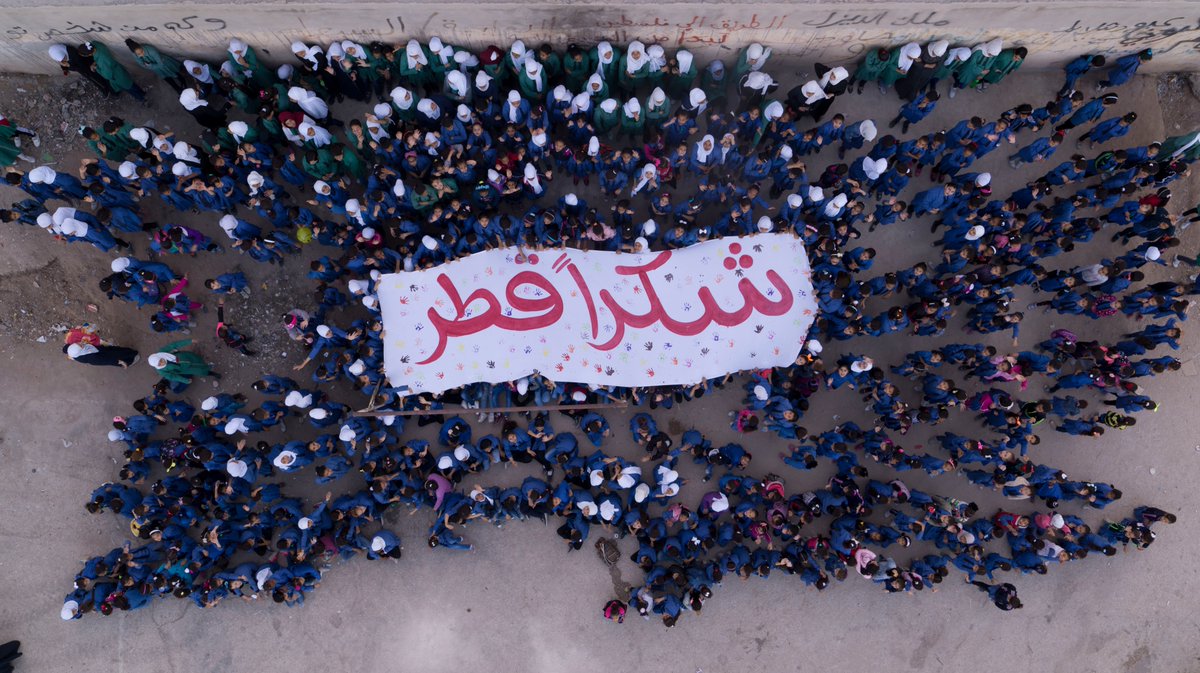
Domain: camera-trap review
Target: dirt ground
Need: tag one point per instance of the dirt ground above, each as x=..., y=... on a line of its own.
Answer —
x=518, y=602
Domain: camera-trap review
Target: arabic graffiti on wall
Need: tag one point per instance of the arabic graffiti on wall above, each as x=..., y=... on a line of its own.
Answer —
x=599, y=317
x=832, y=34
x=90, y=30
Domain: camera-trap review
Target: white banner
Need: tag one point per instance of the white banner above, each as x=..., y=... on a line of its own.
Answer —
x=601, y=318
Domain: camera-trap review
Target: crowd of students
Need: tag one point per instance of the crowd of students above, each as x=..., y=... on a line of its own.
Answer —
x=460, y=151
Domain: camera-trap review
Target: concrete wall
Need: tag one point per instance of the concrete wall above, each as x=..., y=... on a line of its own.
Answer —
x=829, y=31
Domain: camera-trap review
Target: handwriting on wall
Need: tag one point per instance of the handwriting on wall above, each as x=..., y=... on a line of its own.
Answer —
x=828, y=34
x=92, y=29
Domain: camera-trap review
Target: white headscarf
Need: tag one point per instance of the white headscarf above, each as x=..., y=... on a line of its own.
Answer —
x=993, y=47
x=632, y=107
x=441, y=51
x=238, y=129
x=701, y=153
x=634, y=63
x=937, y=49
x=908, y=53
x=428, y=108
x=595, y=85
x=414, y=54
x=580, y=103
x=402, y=98
x=600, y=49
x=698, y=100
x=593, y=146
x=531, y=179
x=43, y=175
x=482, y=80
x=517, y=54
x=191, y=100
x=649, y=172
x=609, y=105
x=960, y=54
x=756, y=56
x=685, y=58
x=160, y=360
x=812, y=92
x=658, y=97
x=319, y=136
x=457, y=82
x=205, y=75
x=58, y=52
x=773, y=111
x=868, y=130
x=874, y=167
x=185, y=152
x=533, y=70
x=658, y=57
x=835, y=205
x=759, y=81
x=141, y=135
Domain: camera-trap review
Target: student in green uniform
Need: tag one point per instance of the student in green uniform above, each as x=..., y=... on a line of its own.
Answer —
x=606, y=59
x=244, y=59
x=683, y=74
x=107, y=66
x=10, y=150
x=872, y=67
x=751, y=58
x=605, y=116
x=633, y=120
x=634, y=68
x=577, y=67
x=658, y=108
x=550, y=62
x=532, y=81
x=164, y=67
x=1004, y=65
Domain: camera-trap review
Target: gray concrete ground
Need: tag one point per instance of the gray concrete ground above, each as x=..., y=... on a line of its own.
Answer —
x=518, y=602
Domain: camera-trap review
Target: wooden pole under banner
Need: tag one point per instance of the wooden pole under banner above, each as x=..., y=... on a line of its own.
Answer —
x=489, y=410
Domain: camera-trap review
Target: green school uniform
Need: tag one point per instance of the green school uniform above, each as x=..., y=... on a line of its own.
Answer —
x=891, y=71
x=603, y=121
x=973, y=68
x=872, y=67
x=529, y=87
x=631, y=126
x=186, y=366
x=351, y=164
x=113, y=72
x=163, y=66
x=1002, y=66
x=679, y=85
x=657, y=116
x=578, y=72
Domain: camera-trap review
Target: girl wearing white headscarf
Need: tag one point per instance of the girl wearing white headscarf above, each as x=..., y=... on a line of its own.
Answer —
x=633, y=122
x=596, y=87
x=199, y=108
x=313, y=135
x=414, y=65
x=457, y=88
x=754, y=87
x=311, y=103
x=703, y=155
x=515, y=59
x=647, y=181
x=635, y=66
x=683, y=73
x=533, y=183
x=607, y=59
x=751, y=59
x=532, y=80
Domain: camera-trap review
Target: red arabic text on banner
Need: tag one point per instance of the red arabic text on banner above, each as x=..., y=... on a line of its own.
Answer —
x=598, y=317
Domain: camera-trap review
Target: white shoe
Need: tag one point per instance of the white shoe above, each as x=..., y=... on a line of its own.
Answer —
x=37, y=142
